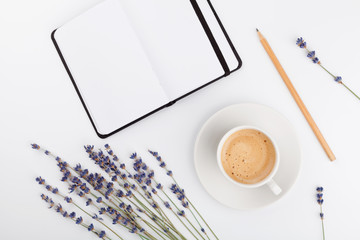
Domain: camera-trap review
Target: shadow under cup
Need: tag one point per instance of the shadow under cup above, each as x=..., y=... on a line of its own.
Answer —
x=249, y=158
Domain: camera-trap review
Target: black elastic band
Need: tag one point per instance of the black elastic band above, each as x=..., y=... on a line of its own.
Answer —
x=209, y=34
x=226, y=35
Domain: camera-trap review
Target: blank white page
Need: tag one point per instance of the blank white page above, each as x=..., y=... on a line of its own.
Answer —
x=109, y=66
x=175, y=42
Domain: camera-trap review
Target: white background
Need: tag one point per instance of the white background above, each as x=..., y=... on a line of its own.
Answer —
x=38, y=104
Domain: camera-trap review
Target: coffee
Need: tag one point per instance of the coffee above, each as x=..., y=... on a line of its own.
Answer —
x=248, y=156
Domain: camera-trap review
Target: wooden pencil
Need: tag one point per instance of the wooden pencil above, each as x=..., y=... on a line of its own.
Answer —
x=296, y=96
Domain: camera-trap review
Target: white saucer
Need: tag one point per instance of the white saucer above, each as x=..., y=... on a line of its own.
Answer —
x=255, y=115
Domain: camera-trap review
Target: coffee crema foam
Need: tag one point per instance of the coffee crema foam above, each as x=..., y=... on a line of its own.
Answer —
x=248, y=156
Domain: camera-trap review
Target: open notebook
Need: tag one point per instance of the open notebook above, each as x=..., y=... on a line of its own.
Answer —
x=130, y=58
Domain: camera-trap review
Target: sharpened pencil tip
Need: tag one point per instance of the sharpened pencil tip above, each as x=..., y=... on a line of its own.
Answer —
x=257, y=30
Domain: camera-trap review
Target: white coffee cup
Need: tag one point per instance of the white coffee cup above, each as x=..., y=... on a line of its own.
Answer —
x=268, y=180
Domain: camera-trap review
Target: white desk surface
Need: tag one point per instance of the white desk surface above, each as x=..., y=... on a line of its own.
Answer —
x=38, y=104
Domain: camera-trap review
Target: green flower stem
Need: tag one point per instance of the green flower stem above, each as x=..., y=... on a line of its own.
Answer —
x=194, y=227
x=322, y=224
x=181, y=220
x=172, y=227
x=146, y=222
x=322, y=65
x=146, y=208
x=163, y=203
x=184, y=225
x=198, y=223
x=179, y=210
x=142, y=237
x=98, y=221
x=125, y=213
x=149, y=224
x=327, y=71
x=121, y=210
x=115, y=206
x=156, y=230
x=164, y=217
x=196, y=209
x=164, y=227
x=129, y=214
x=139, y=202
x=91, y=216
x=335, y=78
x=175, y=230
x=109, y=216
x=93, y=231
x=340, y=82
x=201, y=218
x=349, y=89
x=149, y=236
x=138, y=184
x=141, y=195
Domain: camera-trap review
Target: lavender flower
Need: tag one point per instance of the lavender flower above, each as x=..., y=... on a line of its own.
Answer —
x=338, y=79
x=48, y=200
x=35, y=146
x=167, y=205
x=182, y=213
x=320, y=201
x=91, y=227
x=79, y=220
x=88, y=202
x=311, y=54
x=40, y=180
x=96, y=217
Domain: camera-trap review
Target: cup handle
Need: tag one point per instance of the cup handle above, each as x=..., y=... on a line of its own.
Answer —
x=274, y=187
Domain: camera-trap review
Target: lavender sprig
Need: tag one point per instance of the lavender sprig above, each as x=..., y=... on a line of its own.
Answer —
x=69, y=200
x=320, y=201
x=180, y=193
x=79, y=221
x=311, y=54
